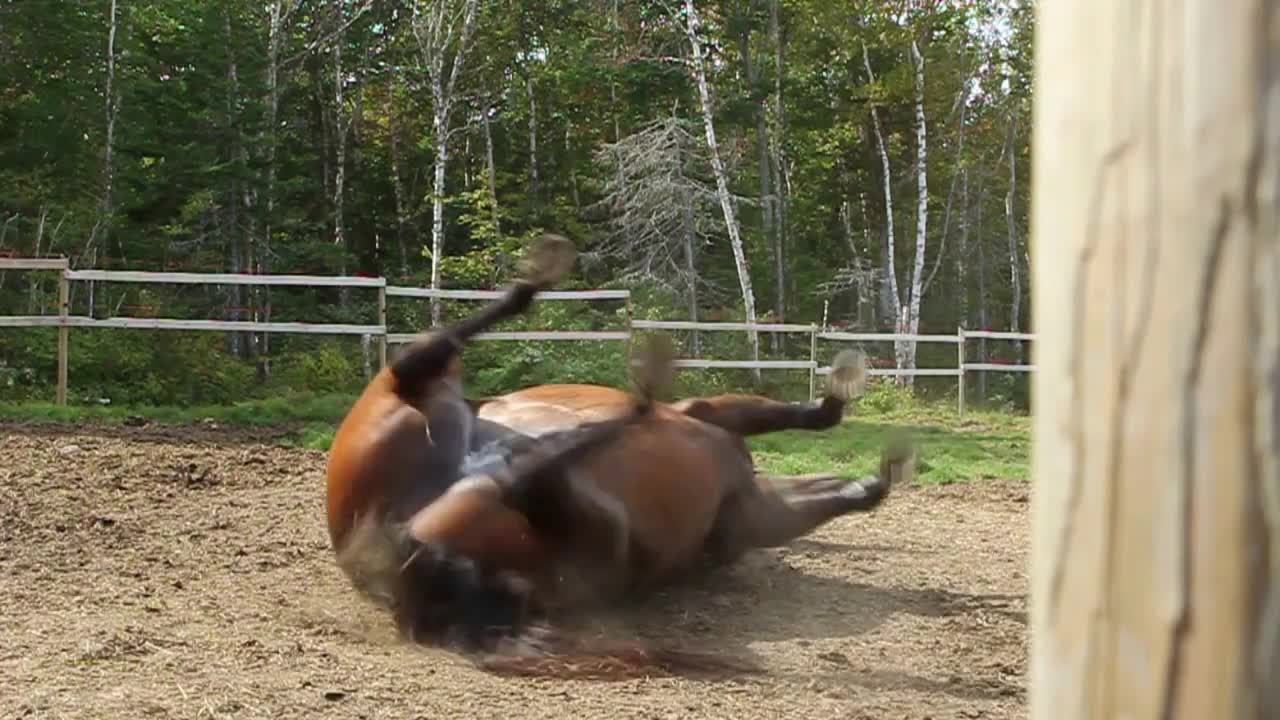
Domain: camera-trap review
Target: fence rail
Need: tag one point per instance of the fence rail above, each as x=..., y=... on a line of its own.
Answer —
x=64, y=321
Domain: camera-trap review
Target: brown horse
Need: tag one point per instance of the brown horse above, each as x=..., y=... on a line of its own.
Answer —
x=472, y=520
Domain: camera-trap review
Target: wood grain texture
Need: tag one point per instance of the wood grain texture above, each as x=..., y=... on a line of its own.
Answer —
x=1157, y=306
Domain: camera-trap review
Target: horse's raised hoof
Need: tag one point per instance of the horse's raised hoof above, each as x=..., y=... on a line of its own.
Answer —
x=848, y=376
x=897, y=458
x=548, y=260
x=653, y=367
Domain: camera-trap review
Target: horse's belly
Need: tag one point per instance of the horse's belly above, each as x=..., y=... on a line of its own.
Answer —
x=671, y=483
x=546, y=409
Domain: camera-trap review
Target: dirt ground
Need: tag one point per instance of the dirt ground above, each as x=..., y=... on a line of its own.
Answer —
x=185, y=573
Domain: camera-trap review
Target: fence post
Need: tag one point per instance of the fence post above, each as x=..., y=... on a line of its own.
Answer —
x=627, y=349
x=813, y=358
x=64, y=300
x=382, y=320
x=960, y=360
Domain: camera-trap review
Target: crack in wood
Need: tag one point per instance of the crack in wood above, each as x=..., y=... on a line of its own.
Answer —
x=1110, y=160
x=1130, y=353
x=1184, y=482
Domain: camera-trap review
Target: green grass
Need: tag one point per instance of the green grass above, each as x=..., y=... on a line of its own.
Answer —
x=982, y=445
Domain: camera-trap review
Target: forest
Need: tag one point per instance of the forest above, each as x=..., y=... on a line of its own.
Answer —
x=860, y=163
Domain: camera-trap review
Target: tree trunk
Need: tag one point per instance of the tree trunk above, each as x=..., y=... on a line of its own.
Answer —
x=984, y=308
x=278, y=14
x=751, y=74
x=533, y=130
x=239, y=244
x=722, y=183
x=866, y=243
x=434, y=35
x=1156, y=546
x=440, y=133
x=890, y=299
x=490, y=168
x=962, y=252
x=779, y=160
x=912, y=315
x=1015, y=280
x=688, y=227
x=339, y=158
x=397, y=180
x=106, y=203
x=573, y=166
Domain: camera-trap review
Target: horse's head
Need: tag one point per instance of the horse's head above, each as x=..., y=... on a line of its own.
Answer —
x=467, y=581
x=455, y=573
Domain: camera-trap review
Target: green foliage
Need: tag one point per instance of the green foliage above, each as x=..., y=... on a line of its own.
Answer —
x=225, y=155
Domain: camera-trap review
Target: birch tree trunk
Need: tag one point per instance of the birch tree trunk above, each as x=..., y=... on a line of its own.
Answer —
x=437, y=33
x=1015, y=277
x=722, y=182
x=106, y=203
x=912, y=324
x=1156, y=565
x=440, y=135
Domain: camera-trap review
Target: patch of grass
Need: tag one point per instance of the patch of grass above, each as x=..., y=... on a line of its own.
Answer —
x=981, y=446
x=315, y=436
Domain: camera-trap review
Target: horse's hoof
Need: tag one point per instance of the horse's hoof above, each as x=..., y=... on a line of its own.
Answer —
x=548, y=260
x=897, y=458
x=848, y=376
x=654, y=366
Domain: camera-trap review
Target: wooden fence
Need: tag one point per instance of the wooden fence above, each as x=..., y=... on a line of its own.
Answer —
x=63, y=320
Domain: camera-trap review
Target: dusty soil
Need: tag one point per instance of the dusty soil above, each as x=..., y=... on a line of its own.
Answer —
x=185, y=572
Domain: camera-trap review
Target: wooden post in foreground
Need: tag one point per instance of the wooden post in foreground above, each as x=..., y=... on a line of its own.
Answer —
x=1156, y=261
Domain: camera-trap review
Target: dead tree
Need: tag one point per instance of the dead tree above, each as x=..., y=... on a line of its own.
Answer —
x=661, y=209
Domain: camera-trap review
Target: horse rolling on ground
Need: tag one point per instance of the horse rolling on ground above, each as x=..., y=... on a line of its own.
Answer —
x=472, y=522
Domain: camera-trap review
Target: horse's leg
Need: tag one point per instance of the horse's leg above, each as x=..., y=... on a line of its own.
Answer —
x=429, y=357
x=774, y=510
x=754, y=415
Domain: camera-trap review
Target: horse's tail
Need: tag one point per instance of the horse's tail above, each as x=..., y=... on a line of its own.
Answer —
x=441, y=598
